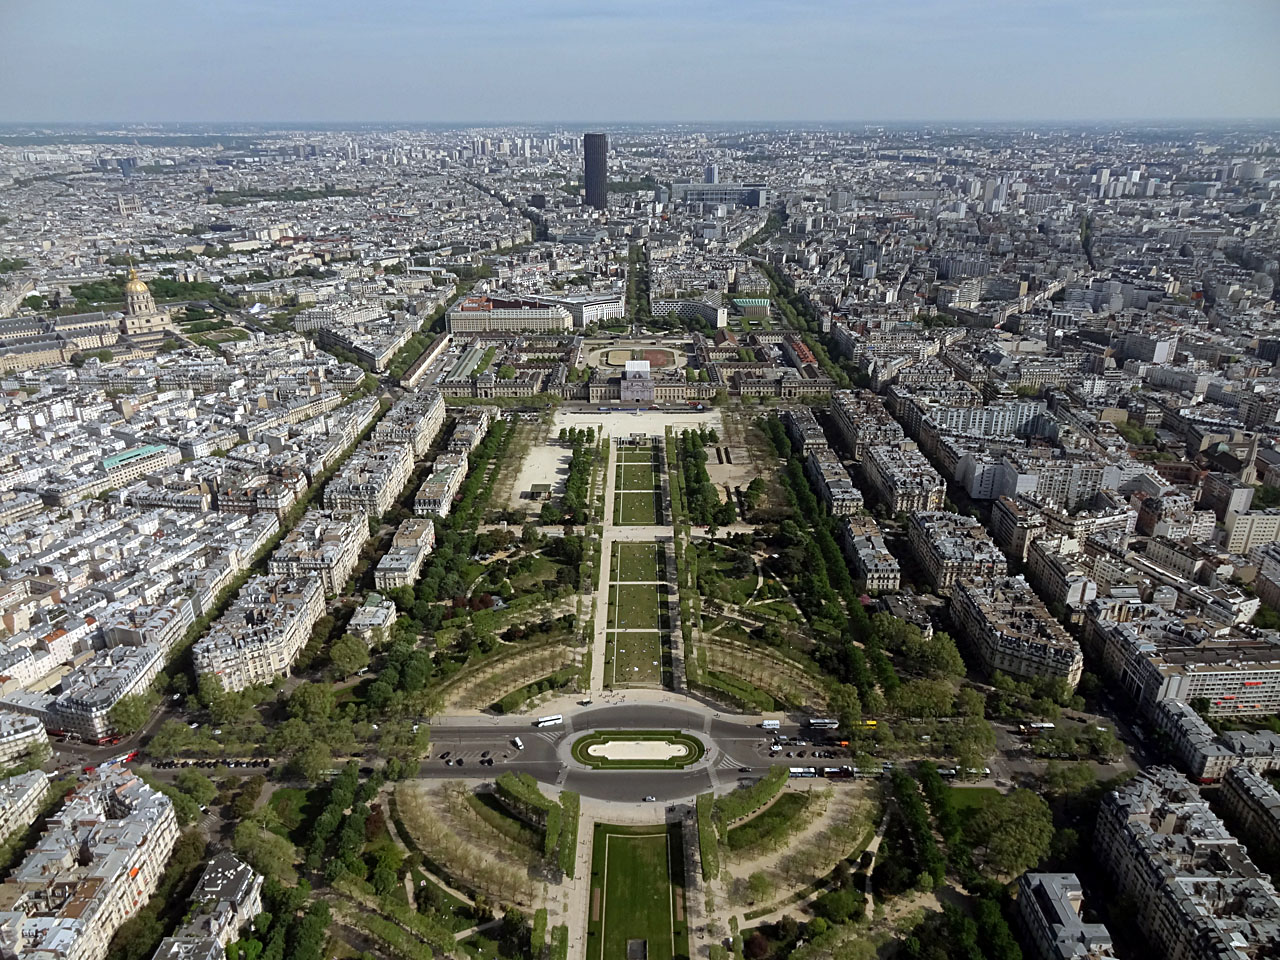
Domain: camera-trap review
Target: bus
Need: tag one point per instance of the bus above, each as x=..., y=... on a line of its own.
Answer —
x=769, y=724
x=550, y=721
x=823, y=723
x=804, y=771
x=1042, y=726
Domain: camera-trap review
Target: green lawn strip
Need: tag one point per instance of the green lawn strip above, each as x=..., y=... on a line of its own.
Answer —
x=780, y=819
x=637, y=476
x=972, y=798
x=636, y=509
x=579, y=750
x=636, y=658
x=637, y=892
x=636, y=563
x=637, y=606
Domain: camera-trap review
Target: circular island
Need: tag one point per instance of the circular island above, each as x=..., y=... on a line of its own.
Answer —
x=637, y=750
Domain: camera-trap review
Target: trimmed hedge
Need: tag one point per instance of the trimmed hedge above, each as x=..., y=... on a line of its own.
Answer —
x=747, y=800
x=708, y=845
x=520, y=793
x=571, y=805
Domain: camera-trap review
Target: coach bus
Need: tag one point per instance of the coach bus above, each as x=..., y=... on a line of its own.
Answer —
x=769, y=724
x=550, y=721
x=823, y=723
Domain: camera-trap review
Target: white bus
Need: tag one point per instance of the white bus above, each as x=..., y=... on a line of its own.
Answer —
x=550, y=721
x=769, y=724
x=823, y=723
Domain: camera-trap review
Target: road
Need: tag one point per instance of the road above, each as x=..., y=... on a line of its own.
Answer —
x=736, y=749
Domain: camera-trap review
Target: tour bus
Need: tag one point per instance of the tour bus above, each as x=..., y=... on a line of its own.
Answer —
x=823, y=723
x=550, y=721
x=769, y=724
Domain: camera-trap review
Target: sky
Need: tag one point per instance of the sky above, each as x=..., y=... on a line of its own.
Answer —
x=619, y=61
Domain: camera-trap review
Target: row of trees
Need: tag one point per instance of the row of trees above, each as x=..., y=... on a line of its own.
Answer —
x=702, y=503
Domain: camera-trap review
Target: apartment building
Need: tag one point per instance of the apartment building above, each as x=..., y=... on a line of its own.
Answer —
x=90, y=691
x=20, y=734
x=1013, y=632
x=952, y=547
x=803, y=429
x=872, y=562
x=1194, y=892
x=470, y=429
x=1251, y=529
x=325, y=543
x=1050, y=908
x=225, y=901
x=1015, y=523
x=1155, y=655
x=20, y=801
x=862, y=421
x=399, y=566
x=902, y=478
x=262, y=632
x=435, y=496
x=372, y=478
x=415, y=420
x=96, y=865
x=1055, y=565
x=1252, y=807
x=834, y=484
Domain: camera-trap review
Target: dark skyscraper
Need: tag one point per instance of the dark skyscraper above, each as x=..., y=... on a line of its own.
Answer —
x=595, y=151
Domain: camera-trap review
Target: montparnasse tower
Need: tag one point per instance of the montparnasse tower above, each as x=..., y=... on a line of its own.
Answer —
x=138, y=301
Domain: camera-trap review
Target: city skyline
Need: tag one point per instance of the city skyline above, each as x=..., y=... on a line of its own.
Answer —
x=918, y=62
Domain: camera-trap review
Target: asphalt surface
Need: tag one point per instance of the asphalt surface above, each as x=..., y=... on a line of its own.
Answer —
x=737, y=749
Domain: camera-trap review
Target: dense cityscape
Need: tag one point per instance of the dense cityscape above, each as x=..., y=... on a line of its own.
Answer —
x=868, y=533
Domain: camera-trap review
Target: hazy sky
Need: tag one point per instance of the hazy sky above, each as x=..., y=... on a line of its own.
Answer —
x=638, y=60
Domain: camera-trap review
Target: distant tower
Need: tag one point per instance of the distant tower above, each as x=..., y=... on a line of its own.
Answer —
x=712, y=174
x=595, y=151
x=138, y=301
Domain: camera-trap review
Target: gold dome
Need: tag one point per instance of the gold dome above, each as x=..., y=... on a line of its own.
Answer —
x=135, y=285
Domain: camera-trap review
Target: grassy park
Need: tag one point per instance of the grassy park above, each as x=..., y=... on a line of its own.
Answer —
x=638, y=563
x=637, y=500
x=637, y=894
x=637, y=606
x=635, y=659
x=637, y=509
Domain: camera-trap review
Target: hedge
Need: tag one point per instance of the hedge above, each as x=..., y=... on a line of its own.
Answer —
x=747, y=800
x=520, y=792
x=707, y=843
x=570, y=804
